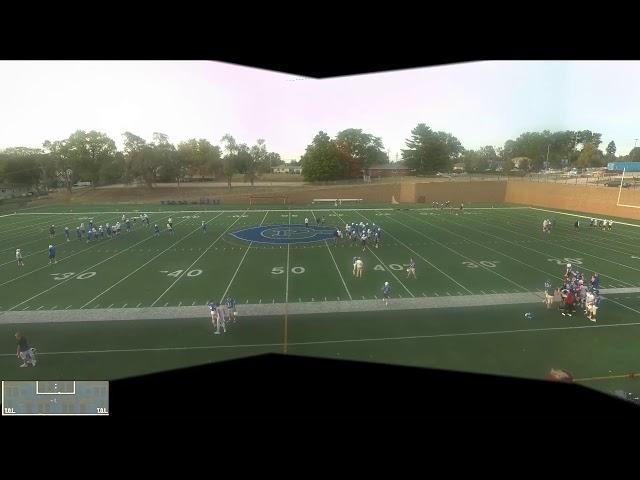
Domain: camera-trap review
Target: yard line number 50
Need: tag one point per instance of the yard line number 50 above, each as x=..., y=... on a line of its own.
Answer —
x=281, y=270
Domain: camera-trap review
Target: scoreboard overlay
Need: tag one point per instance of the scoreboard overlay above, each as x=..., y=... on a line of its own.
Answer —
x=55, y=398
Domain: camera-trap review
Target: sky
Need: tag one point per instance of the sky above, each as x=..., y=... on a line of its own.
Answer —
x=481, y=103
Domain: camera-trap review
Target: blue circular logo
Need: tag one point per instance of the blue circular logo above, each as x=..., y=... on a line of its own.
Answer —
x=285, y=234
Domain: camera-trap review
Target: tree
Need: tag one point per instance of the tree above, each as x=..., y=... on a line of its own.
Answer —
x=587, y=136
x=588, y=156
x=141, y=158
x=507, y=165
x=322, y=160
x=21, y=170
x=611, y=149
x=359, y=150
x=167, y=164
x=258, y=157
x=271, y=160
x=474, y=161
x=60, y=155
x=229, y=161
x=429, y=151
x=634, y=155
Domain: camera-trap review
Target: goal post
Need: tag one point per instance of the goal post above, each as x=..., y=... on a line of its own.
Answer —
x=268, y=199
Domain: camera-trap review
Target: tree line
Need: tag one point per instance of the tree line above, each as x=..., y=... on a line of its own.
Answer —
x=428, y=152
x=93, y=157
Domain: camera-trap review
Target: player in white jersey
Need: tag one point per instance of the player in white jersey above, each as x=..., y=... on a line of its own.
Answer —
x=359, y=268
x=19, y=258
x=222, y=319
x=170, y=228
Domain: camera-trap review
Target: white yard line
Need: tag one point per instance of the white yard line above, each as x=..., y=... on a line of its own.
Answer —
x=144, y=264
x=83, y=271
x=424, y=259
x=455, y=251
x=59, y=261
x=566, y=248
x=241, y=261
x=196, y=260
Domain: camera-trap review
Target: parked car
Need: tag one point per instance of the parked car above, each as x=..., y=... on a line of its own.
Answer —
x=617, y=184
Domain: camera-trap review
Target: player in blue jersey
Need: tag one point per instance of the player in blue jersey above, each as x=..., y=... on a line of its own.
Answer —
x=66, y=233
x=52, y=254
x=230, y=302
x=411, y=270
x=204, y=227
x=89, y=235
x=156, y=230
x=91, y=224
x=128, y=221
x=26, y=353
x=386, y=292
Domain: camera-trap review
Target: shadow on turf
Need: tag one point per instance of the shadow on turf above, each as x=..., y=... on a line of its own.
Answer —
x=284, y=385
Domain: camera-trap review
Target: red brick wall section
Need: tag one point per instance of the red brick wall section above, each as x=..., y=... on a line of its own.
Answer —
x=589, y=199
x=454, y=191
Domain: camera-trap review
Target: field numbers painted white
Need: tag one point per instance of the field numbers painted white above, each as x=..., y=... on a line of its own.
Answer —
x=67, y=275
x=564, y=261
x=483, y=263
x=177, y=273
x=281, y=270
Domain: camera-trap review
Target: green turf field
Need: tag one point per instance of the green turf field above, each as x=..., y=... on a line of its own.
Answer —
x=478, y=272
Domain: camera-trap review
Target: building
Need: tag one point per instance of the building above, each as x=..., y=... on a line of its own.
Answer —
x=626, y=166
x=292, y=169
x=396, y=169
x=458, y=167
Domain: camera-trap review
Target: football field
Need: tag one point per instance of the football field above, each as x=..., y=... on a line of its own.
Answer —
x=136, y=303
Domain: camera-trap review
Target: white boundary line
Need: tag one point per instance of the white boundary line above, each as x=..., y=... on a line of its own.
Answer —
x=326, y=342
x=588, y=216
x=145, y=264
x=564, y=247
x=620, y=189
x=587, y=239
x=196, y=260
x=173, y=212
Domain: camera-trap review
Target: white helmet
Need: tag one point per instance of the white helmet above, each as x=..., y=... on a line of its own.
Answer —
x=386, y=283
